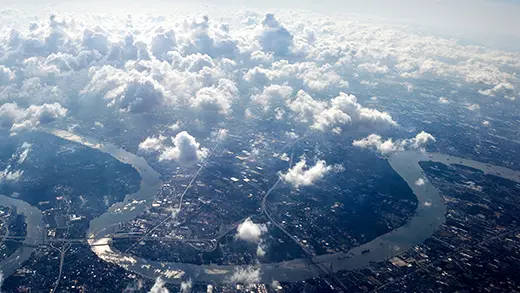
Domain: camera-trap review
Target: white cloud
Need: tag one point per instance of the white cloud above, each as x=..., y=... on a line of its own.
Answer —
x=158, y=65
x=162, y=43
x=185, y=149
x=16, y=118
x=10, y=176
x=341, y=110
x=389, y=146
x=216, y=99
x=473, y=107
x=272, y=96
x=23, y=152
x=275, y=38
x=249, y=275
x=249, y=231
x=6, y=75
x=503, y=89
x=275, y=285
x=302, y=175
x=444, y=100
x=420, y=182
x=186, y=286
x=222, y=134
x=260, y=250
x=131, y=91
x=158, y=286
x=153, y=144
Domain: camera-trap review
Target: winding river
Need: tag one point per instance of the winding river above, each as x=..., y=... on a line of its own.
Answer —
x=429, y=216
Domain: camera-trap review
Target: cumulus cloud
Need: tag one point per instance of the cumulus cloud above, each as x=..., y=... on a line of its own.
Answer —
x=341, y=110
x=131, y=91
x=23, y=153
x=473, y=107
x=503, y=89
x=249, y=231
x=260, y=250
x=158, y=286
x=186, y=286
x=420, y=182
x=389, y=146
x=152, y=63
x=153, y=144
x=216, y=98
x=273, y=96
x=162, y=43
x=275, y=38
x=186, y=149
x=444, y=100
x=302, y=175
x=16, y=118
x=6, y=75
x=249, y=275
x=7, y=175
x=275, y=285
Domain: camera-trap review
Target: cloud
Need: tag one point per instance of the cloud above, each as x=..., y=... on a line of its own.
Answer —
x=389, y=146
x=23, y=152
x=222, y=134
x=473, y=107
x=275, y=285
x=341, y=110
x=249, y=275
x=158, y=286
x=260, y=250
x=10, y=176
x=186, y=286
x=289, y=64
x=273, y=96
x=275, y=38
x=162, y=43
x=184, y=148
x=301, y=175
x=444, y=100
x=420, y=182
x=153, y=144
x=216, y=98
x=503, y=89
x=249, y=231
x=131, y=91
x=6, y=75
x=16, y=118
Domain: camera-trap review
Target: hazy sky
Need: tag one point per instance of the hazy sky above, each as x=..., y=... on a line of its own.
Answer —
x=489, y=22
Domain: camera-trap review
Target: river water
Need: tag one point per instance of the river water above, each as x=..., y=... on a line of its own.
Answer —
x=34, y=236
x=429, y=216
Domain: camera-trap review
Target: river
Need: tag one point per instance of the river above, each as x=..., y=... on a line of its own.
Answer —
x=429, y=216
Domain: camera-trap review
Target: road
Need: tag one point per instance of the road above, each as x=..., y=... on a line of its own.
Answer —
x=310, y=255
x=202, y=165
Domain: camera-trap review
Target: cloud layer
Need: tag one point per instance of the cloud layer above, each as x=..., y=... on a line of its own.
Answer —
x=244, y=63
